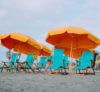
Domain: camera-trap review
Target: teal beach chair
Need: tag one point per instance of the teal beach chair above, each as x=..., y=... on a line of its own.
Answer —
x=1, y=67
x=42, y=63
x=29, y=61
x=65, y=62
x=12, y=63
x=15, y=58
x=85, y=61
x=57, y=59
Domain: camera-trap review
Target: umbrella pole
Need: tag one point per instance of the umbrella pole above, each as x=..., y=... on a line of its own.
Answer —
x=71, y=51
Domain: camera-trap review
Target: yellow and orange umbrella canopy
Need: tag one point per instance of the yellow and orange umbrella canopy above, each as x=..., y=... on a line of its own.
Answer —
x=99, y=42
x=20, y=43
x=64, y=37
x=71, y=39
x=45, y=51
x=75, y=52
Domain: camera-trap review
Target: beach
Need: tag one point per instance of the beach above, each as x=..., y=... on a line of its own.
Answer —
x=22, y=82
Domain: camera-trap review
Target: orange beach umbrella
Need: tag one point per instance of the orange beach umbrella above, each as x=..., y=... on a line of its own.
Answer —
x=99, y=42
x=20, y=43
x=24, y=44
x=45, y=51
x=72, y=38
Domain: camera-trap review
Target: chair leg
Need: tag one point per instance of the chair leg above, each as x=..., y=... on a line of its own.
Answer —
x=17, y=70
x=93, y=71
x=38, y=68
x=59, y=71
x=86, y=71
x=2, y=70
x=51, y=71
x=21, y=66
x=31, y=68
x=79, y=72
x=65, y=71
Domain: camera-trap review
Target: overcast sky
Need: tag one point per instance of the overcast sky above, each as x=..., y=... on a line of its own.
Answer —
x=36, y=17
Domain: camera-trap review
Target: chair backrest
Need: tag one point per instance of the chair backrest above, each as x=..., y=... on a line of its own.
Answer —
x=86, y=58
x=14, y=57
x=43, y=61
x=65, y=61
x=88, y=55
x=49, y=58
x=57, y=58
x=30, y=58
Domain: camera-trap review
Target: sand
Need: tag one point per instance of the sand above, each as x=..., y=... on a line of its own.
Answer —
x=11, y=82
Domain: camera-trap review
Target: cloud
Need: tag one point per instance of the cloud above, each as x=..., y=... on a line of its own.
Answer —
x=93, y=4
x=36, y=17
x=44, y=15
x=2, y=13
x=89, y=20
x=35, y=7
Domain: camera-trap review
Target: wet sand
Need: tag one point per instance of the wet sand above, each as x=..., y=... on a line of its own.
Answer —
x=10, y=82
